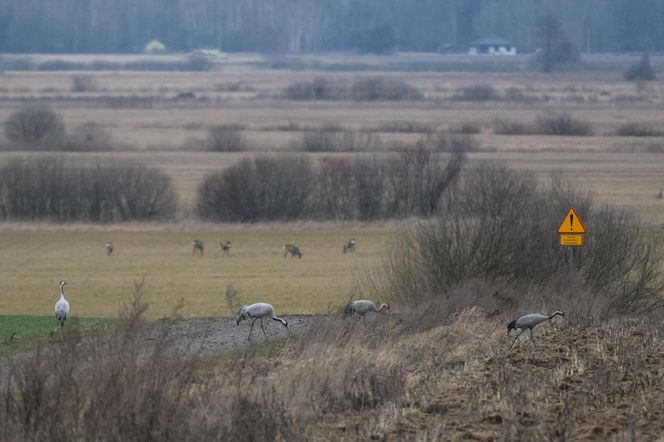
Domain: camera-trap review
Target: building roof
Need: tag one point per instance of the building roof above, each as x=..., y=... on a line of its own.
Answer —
x=491, y=41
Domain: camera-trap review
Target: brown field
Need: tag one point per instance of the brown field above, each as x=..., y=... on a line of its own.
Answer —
x=625, y=171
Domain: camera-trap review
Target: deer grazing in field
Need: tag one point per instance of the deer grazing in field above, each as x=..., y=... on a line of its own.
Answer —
x=109, y=248
x=349, y=246
x=197, y=245
x=292, y=249
x=225, y=248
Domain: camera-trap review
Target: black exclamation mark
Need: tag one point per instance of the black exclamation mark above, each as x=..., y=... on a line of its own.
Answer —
x=571, y=222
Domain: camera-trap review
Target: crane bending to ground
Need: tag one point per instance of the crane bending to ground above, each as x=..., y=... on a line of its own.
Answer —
x=258, y=312
x=529, y=322
x=62, y=306
x=362, y=307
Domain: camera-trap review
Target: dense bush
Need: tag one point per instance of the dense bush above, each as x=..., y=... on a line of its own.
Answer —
x=367, y=188
x=388, y=89
x=512, y=127
x=83, y=83
x=53, y=189
x=35, y=126
x=477, y=92
x=259, y=189
x=226, y=138
x=562, y=124
x=316, y=89
x=637, y=130
x=501, y=225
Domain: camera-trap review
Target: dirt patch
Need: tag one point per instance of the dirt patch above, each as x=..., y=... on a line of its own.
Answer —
x=204, y=337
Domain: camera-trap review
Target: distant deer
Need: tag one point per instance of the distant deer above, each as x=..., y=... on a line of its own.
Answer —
x=109, y=248
x=226, y=248
x=293, y=250
x=197, y=245
x=349, y=246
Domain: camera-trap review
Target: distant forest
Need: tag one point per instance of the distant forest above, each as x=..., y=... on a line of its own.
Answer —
x=273, y=26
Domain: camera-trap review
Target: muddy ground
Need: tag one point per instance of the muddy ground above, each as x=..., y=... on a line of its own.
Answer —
x=205, y=337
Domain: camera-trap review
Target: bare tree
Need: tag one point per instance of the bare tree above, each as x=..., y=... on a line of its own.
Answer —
x=35, y=126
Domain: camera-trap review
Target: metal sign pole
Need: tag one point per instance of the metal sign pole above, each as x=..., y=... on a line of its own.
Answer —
x=570, y=253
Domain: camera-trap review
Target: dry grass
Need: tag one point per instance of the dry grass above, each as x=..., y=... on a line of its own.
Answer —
x=33, y=261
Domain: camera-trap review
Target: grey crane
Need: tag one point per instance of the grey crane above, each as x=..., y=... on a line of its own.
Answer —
x=363, y=306
x=109, y=248
x=256, y=312
x=529, y=322
x=62, y=306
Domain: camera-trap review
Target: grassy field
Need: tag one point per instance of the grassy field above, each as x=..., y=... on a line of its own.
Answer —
x=33, y=261
x=20, y=332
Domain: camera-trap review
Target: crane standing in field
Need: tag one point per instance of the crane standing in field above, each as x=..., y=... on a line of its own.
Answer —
x=258, y=312
x=62, y=306
x=109, y=248
x=362, y=307
x=529, y=322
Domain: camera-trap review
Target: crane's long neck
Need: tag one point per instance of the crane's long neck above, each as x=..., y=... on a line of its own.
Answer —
x=554, y=315
x=283, y=321
x=62, y=291
x=382, y=306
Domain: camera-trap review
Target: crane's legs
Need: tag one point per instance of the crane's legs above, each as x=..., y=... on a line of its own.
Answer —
x=517, y=337
x=531, y=337
x=251, y=329
x=263, y=329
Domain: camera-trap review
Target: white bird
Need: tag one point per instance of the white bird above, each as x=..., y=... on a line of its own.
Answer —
x=258, y=312
x=529, y=322
x=362, y=307
x=62, y=306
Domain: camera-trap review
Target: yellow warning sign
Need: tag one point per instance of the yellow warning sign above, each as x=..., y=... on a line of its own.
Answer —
x=571, y=240
x=571, y=223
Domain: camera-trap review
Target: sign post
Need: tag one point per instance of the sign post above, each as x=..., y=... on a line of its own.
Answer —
x=571, y=232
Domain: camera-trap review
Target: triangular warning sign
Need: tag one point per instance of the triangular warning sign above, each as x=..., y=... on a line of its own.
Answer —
x=571, y=223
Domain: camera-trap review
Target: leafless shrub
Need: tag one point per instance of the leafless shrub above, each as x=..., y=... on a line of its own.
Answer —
x=226, y=138
x=58, y=190
x=259, y=189
x=637, y=130
x=35, y=127
x=479, y=238
x=317, y=89
x=384, y=89
x=512, y=127
x=467, y=128
x=365, y=188
x=477, y=92
x=83, y=83
x=562, y=124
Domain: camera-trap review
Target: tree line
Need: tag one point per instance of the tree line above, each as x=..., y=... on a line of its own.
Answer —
x=272, y=26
